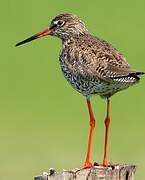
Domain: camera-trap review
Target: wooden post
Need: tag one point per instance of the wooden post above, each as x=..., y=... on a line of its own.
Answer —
x=114, y=172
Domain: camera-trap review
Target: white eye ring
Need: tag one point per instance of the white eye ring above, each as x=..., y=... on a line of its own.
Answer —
x=59, y=23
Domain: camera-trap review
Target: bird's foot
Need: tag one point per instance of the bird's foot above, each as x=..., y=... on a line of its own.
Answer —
x=88, y=164
x=105, y=163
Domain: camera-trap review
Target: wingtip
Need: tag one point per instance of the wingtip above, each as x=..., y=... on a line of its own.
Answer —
x=139, y=73
x=142, y=73
x=136, y=75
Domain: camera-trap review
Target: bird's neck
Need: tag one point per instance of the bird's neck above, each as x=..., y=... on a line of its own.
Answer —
x=70, y=39
x=67, y=41
x=73, y=35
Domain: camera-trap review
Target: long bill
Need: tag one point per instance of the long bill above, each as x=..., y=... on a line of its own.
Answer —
x=36, y=36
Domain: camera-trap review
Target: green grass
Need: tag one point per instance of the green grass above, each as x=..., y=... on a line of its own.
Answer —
x=44, y=122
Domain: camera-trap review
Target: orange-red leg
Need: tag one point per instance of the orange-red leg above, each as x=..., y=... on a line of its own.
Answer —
x=107, y=123
x=88, y=162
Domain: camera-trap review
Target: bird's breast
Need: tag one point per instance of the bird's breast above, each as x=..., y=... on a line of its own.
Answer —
x=75, y=75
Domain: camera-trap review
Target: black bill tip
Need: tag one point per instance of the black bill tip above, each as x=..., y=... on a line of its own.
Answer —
x=26, y=40
x=36, y=36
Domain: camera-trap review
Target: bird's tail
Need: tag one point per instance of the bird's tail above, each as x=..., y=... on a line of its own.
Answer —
x=131, y=77
x=136, y=75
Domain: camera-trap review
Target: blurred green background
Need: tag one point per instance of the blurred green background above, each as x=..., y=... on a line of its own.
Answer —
x=43, y=122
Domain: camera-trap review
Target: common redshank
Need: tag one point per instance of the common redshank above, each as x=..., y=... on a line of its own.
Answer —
x=92, y=66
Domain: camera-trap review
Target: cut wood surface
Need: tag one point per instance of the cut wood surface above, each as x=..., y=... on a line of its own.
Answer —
x=114, y=172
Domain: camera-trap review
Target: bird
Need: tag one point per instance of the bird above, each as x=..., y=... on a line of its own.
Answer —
x=92, y=66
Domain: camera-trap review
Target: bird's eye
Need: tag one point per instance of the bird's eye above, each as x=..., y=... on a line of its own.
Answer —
x=60, y=23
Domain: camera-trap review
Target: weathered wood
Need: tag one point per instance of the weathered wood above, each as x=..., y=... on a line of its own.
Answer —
x=114, y=172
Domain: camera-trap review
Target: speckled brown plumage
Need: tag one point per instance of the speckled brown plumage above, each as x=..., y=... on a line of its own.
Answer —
x=92, y=66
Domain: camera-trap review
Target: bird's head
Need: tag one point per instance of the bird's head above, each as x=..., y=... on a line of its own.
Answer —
x=66, y=25
x=63, y=26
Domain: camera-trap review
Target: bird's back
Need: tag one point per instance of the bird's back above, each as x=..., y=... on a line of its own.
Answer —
x=94, y=66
